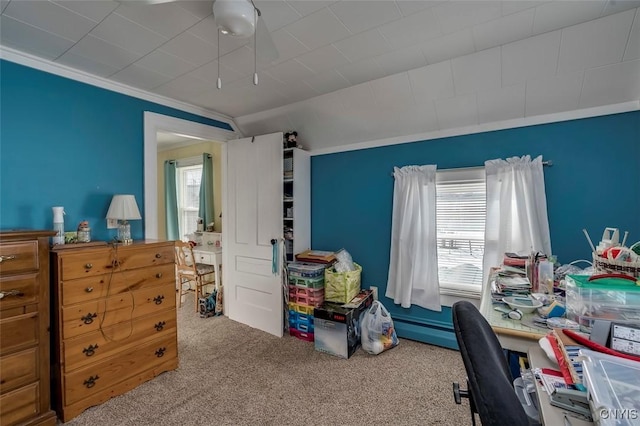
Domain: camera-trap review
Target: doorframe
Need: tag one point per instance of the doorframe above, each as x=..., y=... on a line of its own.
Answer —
x=154, y=123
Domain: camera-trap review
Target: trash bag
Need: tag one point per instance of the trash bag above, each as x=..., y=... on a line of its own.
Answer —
x=377, y=330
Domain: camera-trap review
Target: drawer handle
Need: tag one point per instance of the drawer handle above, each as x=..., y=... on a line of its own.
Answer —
x=9, y=257
x=160, y=325
x=158, y=255
x=88, y=319
x=91, y=350
x=160, y=352
x=88, y=266
x=159, y=275
x=16, y=293
x=88, y=289
x=158, y=299
x=91, y=381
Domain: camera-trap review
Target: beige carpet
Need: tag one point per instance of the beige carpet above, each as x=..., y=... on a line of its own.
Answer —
x=231, y=374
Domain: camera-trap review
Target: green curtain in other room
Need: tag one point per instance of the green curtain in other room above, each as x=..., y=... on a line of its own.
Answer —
x=171, y=200
x=205, y=210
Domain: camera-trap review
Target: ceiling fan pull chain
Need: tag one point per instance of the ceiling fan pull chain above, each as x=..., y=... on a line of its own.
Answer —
x=219, y=83
x=255, y=44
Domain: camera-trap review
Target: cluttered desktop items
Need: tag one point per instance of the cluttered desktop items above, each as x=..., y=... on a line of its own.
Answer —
x=589, y=323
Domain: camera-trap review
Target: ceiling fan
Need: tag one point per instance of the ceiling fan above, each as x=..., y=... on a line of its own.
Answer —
x=240, y=19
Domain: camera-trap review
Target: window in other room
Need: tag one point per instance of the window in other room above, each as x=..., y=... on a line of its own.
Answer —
x=461, y=211
x=188, y=185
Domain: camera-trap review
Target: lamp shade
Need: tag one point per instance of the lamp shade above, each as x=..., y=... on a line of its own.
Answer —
x=235, y=17
x=123, y=207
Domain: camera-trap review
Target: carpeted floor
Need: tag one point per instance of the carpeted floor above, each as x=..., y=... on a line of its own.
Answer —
x=231, y=374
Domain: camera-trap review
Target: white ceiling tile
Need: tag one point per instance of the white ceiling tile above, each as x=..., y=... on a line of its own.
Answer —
x=633, y=45
x=432, y=82
x=91, y=66
x=165, y=64
x=427, y=112
x=209, y=73
x=509, y=7
x=615, y=6
x=361, y=71
x=534, y=57
x=363, y=45
x=322, y=59
x=401, y=60
x=595, y=43
x=611, y=84
x=91, y=9
x=558, y=14
x=100, y=51
x=50, y=17
x=167, y=19
x=184, y=88
x=409, y=7
x=359, y=96
x=457, y=112
x=199, y=8
x=421, y=26
x=31, y=40
x=362, y=15
x=240, y=61
x=128, y=35
x=448, y=47
x=457, y=15
x=504, y=30
x=190, y=48
x=501, y=104
x=298, y=91
x=327, y=81
x=277, y=14
x=140, y=77
x=307, y=7
x=3, y=4
x=318, y=29
x=289, y=71
x=393, y=91
x=553, y=94
x=477, y=71
x=287, y=45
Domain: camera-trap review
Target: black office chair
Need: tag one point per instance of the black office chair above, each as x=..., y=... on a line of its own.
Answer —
x=490, y=384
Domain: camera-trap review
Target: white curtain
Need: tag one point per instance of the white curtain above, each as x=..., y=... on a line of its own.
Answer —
x=413, y=265
x=516, y=211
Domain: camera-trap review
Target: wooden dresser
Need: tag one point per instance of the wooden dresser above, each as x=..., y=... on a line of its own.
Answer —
x=114, y=314
x=24, y=328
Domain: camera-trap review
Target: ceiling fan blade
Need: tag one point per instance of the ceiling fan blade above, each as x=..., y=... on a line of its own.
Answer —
x=266, y=48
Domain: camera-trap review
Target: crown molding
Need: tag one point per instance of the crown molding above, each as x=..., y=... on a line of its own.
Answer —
x=50, y=67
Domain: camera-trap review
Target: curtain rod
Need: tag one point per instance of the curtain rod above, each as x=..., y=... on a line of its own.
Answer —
x=547, y=163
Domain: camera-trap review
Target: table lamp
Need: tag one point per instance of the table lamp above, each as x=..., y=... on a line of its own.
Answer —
x=124, y=208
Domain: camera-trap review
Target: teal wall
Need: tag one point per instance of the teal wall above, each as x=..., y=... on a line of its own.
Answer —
x=66, y=143
x=594, y=183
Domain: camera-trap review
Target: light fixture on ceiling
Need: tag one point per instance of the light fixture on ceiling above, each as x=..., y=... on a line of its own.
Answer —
x=237, y=18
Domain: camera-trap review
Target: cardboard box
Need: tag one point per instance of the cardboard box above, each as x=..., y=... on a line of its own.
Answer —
x=337, y=326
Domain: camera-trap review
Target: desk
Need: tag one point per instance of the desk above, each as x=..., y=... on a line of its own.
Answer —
x=549, y=414
x=513, y=335
x=210, y=255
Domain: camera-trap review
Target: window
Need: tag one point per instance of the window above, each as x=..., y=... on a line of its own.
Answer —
x=188, y=185
x=461, y=211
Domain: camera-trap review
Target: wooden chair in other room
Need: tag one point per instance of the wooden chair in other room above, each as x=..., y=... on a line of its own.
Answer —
x=189, y=272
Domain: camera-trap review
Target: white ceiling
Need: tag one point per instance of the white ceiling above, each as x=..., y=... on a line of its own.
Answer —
x=351, y=71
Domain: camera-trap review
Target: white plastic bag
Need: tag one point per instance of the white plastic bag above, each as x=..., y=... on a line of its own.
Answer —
x=377, y=330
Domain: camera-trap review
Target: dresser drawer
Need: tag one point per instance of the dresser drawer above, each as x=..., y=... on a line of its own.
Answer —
x=18, y=332
x=18, y=369
x=19, y=405
x=98, y=345
x=90, y=316
x=100, y=262
x=99, y=286
x=18, y=257
x=18, y=290
x=105, y=376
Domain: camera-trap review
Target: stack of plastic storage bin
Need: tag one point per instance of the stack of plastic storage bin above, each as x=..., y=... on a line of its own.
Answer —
x=306, y=291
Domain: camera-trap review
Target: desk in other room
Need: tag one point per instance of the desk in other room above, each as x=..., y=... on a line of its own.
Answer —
x=514, y=335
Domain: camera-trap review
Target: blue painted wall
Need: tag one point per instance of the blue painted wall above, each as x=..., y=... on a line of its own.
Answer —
x=66, y=143
x=594, y=183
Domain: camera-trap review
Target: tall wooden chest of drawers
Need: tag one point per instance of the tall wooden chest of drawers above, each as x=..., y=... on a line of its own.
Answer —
x=114, y=321
x=24, y=328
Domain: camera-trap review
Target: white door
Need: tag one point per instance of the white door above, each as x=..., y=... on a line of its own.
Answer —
x=253, y=290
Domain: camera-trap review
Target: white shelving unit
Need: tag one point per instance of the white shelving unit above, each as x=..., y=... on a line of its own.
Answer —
x=296, y=201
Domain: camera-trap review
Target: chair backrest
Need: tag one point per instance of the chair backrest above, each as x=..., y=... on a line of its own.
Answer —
x=490, y=380
x=184, y=258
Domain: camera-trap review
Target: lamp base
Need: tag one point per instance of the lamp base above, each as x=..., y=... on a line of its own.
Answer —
x=124, y=233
